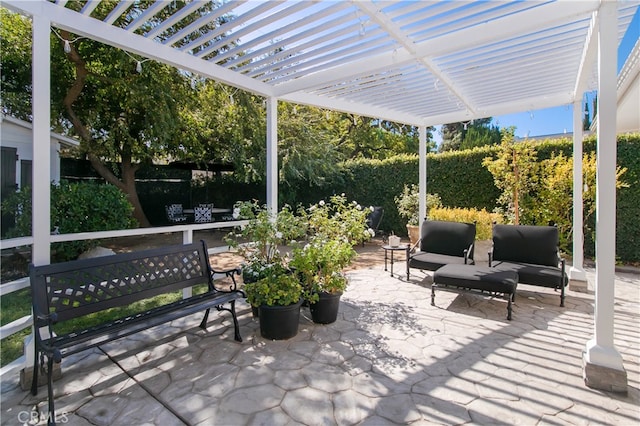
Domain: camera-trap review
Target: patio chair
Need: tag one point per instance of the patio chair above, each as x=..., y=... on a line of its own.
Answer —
x=374, y=218
x=175, y=213
x=532, y=252
x=441, y=243
x=202, y=214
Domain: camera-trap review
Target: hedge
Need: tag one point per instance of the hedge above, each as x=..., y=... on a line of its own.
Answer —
x=457, y=177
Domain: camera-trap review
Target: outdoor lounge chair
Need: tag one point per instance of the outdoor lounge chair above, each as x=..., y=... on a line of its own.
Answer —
x=441, y=243
x=532, y=252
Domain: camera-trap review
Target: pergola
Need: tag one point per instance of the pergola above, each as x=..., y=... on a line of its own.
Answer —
x=421, y=63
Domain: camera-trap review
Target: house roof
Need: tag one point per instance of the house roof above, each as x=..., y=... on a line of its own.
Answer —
x=415, y=62
x=63, y=140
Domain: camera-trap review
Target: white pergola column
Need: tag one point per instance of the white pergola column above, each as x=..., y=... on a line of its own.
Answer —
x=422, y=175
x=603, y=368
x=41, y=191
x=577, y=276
x=272, y=154
x=41, y=218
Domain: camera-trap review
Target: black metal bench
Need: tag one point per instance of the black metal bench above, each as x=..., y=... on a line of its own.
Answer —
x=64, y=292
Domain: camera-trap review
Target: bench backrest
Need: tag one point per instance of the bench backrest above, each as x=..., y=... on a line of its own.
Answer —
x=526, y=243
x=445, y=237
x=80, y=287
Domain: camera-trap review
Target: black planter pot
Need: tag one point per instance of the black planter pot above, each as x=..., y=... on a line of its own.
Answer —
x=279, y=322
x=325, y=310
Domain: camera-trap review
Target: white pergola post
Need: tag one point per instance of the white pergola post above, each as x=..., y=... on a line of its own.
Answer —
x=422, y=175
x=603, y=368
x=577, y=276
x=272, y=154
x=41, y=222
x=41, y=191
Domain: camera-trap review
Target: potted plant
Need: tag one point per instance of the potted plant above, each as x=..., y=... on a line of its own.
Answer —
x=334, y=228
x=273, y=291
x=408, y=205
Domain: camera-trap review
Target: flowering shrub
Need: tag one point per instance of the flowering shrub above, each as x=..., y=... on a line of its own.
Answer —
x=334, y=227
x=260, y=240
x=338, y=219
x=408, y=203
x=265, y=271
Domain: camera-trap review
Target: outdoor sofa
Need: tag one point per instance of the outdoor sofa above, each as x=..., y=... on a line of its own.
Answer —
x=532, y=252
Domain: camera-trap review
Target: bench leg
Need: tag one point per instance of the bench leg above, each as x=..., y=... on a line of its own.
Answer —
x=433, y=294
x=52, y=414
x=562, y=295
x=509, y=297
x=203, y=324
x=36, y=367
x=236, y=326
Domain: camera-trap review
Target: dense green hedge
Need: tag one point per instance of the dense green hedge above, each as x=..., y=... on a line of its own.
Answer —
x=458, y=177
x=461, y=181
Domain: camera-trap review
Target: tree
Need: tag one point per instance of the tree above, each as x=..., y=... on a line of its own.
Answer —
x=121, y=115
x=554, y=196
x=466, y=135
x=514, y=172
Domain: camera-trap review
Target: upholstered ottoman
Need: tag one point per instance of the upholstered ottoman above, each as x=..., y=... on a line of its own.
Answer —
x=474, y=278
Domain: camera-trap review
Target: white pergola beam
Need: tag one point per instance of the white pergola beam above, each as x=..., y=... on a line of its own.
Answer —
x=589, y=56
x=97, y=30
x=336, y=104
x=407, y=43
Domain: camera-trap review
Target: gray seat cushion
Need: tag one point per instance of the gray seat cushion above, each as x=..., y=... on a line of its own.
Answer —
x=433, y=261
x=477, y=278
x=541, y=275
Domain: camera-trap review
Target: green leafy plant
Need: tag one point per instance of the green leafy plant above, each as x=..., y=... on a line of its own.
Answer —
x=554, y=197
x=75, y=207
x=334, y=228
x=259, y=242
x=277, y=287
x=408, y=203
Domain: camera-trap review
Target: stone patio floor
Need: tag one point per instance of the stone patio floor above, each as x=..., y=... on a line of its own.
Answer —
x=391, y=358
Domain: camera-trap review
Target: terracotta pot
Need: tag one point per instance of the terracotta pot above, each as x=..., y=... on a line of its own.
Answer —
x=414, y=233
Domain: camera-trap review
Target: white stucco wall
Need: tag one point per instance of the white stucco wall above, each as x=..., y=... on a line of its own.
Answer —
x=16, y=133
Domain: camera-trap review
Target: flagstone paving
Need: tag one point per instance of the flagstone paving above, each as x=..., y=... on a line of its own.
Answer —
x=391, y=358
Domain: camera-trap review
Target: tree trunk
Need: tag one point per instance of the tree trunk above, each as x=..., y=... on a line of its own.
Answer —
x=128, y=183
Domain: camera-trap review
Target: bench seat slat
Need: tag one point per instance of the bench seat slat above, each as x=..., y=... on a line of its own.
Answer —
x=83, y=339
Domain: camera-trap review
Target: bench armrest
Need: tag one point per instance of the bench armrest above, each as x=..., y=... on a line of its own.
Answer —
x=51, y=318
x=231, y=273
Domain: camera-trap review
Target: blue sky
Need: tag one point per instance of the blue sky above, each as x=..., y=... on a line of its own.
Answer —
x=560, y=119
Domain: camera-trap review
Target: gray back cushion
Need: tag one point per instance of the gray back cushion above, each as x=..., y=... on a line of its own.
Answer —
x=526, y=243
x=444, y=237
